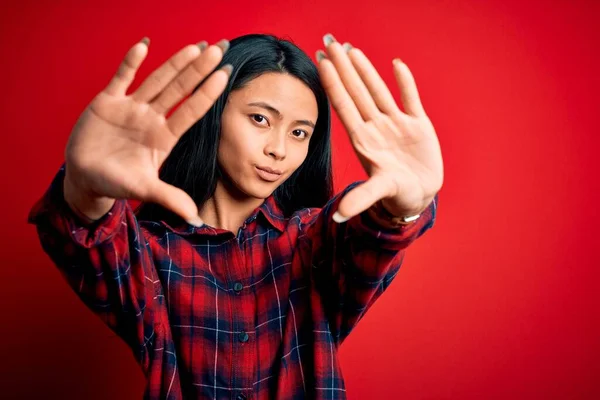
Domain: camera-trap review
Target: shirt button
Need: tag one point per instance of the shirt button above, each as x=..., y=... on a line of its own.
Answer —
x=241, y=396
x=237, y=287
x=243, y=337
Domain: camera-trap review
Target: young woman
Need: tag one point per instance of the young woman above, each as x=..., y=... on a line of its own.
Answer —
x=240, y=274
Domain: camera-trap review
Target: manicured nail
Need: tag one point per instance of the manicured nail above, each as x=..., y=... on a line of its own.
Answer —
x=328, y=39
x=337, y=217
x=321, y=55
x=202, y=45
x=227, y=68
x=224, y=45
x=146, y=41
x=347, y=46
x=197, y=222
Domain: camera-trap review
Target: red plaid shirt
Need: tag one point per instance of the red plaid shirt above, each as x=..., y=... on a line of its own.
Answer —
x=211, y=314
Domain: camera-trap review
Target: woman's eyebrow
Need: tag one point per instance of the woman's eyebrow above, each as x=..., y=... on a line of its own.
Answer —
x=275, y=111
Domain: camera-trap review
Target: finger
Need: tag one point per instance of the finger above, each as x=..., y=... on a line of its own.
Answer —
x=198, y=104
x=174, y=199
x=362, y=197
x=375, y=85
x=340, y=99
x=128, y=68
x=350, y=78
x=161, y=77
x=190, y=77
x=411, y=101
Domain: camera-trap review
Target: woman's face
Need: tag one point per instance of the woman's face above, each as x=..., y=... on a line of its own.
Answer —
x=265, y=130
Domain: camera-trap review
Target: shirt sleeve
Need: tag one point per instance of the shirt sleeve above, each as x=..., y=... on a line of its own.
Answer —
x=354, y=262
x=107, y=263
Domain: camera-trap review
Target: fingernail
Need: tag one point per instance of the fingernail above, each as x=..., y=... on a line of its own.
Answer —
x=328, y=39
x=146, y=41
x=224, y=45
x=202, y=45
x=397, y=61
x=227, y=68
x=196, y=222
x=347, y=46
x=321, y=55
x=337, y=217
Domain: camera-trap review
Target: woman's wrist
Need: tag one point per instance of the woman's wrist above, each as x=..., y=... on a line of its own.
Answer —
x=380, y=214
x=88, y=208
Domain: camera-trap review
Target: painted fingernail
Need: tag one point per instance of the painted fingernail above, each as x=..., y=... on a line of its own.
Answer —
x=228, y=68
x=224, y=45
x=347, y=46
x=337, y=217
x=328, y=39
x=202, y=45
x=145, y=40
x=321, y=55
x=197, y=222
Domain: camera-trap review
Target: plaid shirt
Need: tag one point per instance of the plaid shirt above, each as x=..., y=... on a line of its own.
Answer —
x=211, y=314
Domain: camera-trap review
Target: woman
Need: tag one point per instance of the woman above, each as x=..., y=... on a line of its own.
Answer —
x=240, y=275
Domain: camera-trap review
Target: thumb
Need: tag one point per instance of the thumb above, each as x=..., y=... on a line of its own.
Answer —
x=362, y=197
x=176, y=200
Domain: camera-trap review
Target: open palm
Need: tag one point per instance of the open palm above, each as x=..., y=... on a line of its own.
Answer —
x=399, y=150
x=120, y=141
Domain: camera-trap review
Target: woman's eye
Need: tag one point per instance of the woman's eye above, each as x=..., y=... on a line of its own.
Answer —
x=259, y=119
x=299, y=133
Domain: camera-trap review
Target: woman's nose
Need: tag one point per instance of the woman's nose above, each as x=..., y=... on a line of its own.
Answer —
x=276, y=146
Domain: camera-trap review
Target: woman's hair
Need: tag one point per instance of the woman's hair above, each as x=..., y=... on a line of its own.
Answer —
x=192, y=164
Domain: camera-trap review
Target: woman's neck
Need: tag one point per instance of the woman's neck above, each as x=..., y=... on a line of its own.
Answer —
x=228, y=208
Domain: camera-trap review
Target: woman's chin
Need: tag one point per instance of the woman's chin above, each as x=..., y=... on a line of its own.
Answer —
x=261, y=189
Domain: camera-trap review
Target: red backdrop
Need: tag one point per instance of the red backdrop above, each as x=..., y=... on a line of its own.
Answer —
x=499, y=300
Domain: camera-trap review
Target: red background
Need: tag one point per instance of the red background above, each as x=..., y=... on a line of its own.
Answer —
x=498, y=301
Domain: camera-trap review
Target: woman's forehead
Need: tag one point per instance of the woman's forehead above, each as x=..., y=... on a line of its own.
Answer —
x=282, y=91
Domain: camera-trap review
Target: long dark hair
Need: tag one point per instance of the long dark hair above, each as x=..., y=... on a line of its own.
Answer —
x=192, y=164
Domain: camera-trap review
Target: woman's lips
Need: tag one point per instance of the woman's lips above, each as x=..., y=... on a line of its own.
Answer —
x=268, y=174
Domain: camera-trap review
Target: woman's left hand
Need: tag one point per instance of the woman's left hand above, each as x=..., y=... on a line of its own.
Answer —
x=399, y=150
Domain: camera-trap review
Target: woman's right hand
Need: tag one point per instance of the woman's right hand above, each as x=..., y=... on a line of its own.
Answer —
x=120, y=140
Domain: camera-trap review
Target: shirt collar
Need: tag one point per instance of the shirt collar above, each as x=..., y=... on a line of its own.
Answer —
x=273, y=213
x=269, y=209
